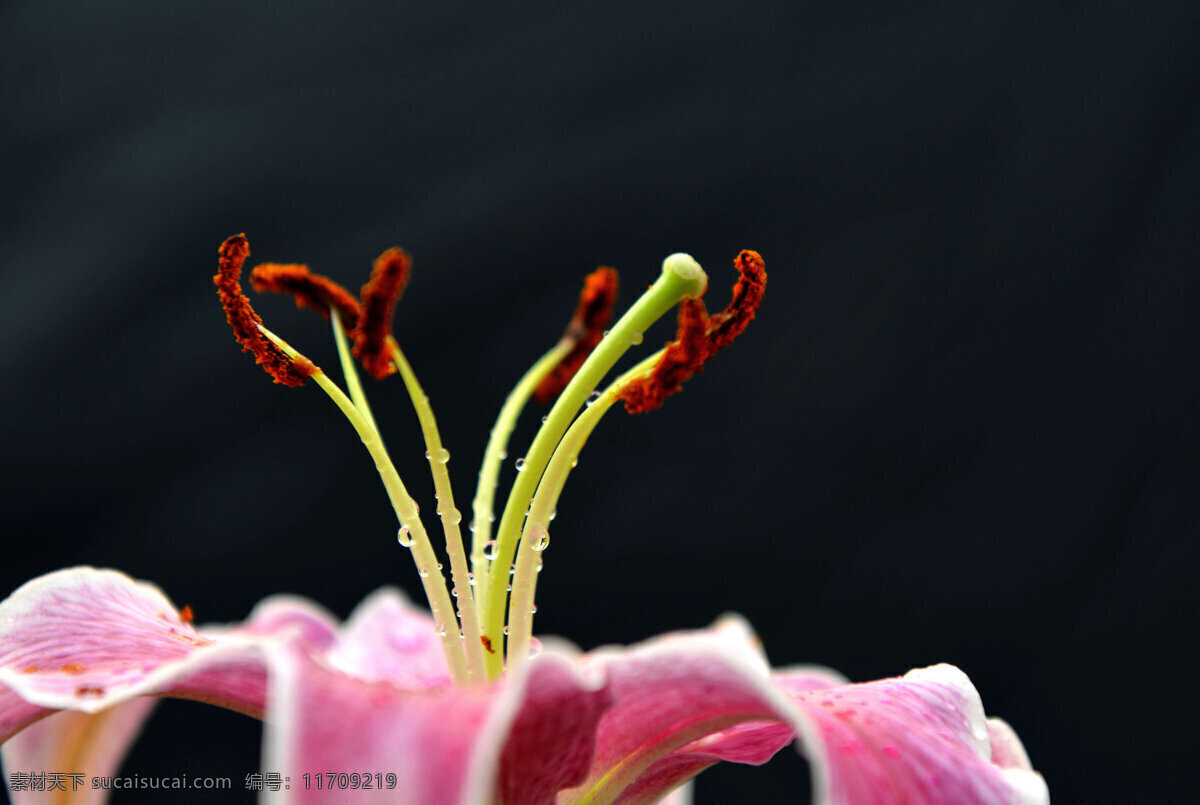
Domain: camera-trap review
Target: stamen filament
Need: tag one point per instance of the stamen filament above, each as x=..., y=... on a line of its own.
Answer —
x=682, y=277
x=524, y=585
x=406, y=512
x=493, y=457
x=451, y=517
x=348, y=370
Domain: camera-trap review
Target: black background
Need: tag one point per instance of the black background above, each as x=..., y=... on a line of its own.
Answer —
x=962, y=429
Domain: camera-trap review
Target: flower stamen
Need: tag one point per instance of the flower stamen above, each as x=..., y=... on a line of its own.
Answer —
x=543, y=381
x=285, y=370
x=585, y=330
x=389, y=276
x=405, y=507
x=699, y=337
x=313, y=291
x=681, y=277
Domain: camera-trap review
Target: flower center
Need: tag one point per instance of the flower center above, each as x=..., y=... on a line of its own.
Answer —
x=493, y=599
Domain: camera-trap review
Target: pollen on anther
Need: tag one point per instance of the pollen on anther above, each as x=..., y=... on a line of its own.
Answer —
x=389, y=276
x=487, y=644
x=699, y=337
x=245, y=322
x=585, y=329
x=310, y=290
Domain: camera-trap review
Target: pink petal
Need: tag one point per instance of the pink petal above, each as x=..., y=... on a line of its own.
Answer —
x=1007, y=750
x=920, y=738
x=687, y=701
x=83, y=744
x=751, y=742
x=92, y=641
x=387, y=638
x=670, y=692
x=443, y=745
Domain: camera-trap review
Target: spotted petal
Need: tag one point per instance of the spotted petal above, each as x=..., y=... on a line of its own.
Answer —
x=90, y=642
x=516, y=742
x=687, y=701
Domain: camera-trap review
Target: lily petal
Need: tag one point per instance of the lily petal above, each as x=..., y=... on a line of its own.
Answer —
x=387, y=638
x=93, y=641
x=516, y=742
x=920, y=738
x=686, y=701
x=87, y=744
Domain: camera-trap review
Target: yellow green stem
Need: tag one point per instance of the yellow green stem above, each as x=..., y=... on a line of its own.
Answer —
x=493, y=457
x=535, y=534
x=348, y=370
x=406, y=512
x=438, y=457
x=681, y=277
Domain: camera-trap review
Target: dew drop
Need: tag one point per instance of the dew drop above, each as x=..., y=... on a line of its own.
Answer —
x=510, y=588
x=553, y=513
x=521, y=464
x=404, y=537
x=471, y=525
x=540, y=564
x=455, y=516
x=503, y=454
x=546, y=417
x=439, y=565
x=442, y=455
x=471, y=578
x=454, y=592
x=541, y=538
x=506, y=630
x=533, y=609
x=489, y=550
x=441, y=630
x=635, y=339
x=422, y=571
x=593, y=397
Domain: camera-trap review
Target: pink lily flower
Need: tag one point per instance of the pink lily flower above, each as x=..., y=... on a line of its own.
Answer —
x=398, y=705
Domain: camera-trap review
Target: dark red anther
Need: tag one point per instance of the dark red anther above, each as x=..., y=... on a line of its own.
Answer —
x=244, y=321
x=379, y=298
x=699, y=337
x=308, y=289
x=586, y=328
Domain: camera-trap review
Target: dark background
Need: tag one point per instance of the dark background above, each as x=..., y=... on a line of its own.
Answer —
x=962, y=429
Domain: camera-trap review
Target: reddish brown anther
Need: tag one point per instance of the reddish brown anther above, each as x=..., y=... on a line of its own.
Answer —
x=379, y=298
x=308, y=289
x=699, y=337
x=586, y=328
x=244, y=321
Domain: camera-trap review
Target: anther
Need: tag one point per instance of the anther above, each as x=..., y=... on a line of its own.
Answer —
x=308, y=289
x=585, y=329
x=379, y=297
x=699, y=337
x=245, y=322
